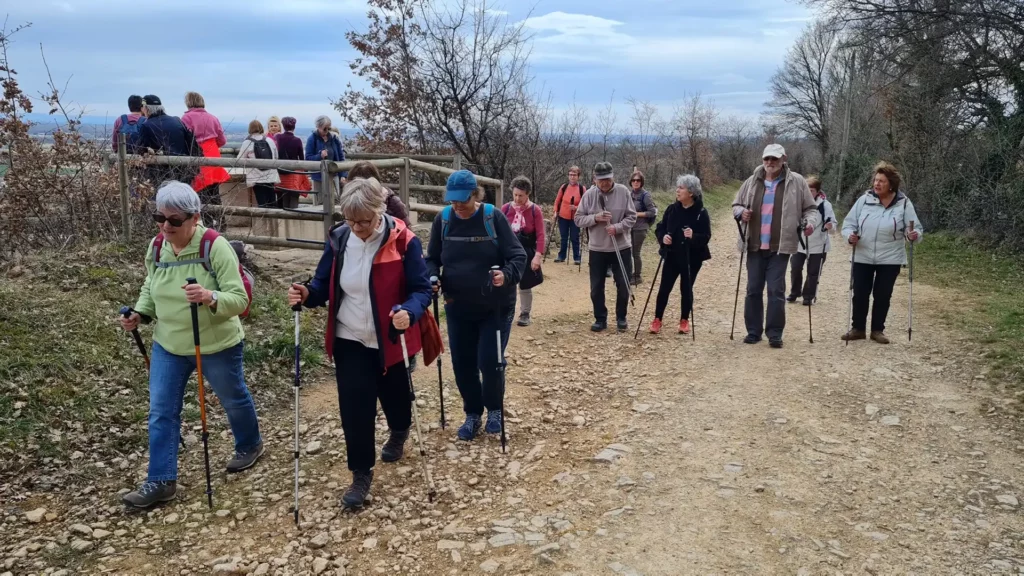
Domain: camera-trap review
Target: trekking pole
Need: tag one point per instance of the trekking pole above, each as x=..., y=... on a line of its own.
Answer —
x=298, y=378
x=821, y=268
x=434, y=281
x=127, y=312
x=853, y=260
x=501, y=363
x=415, y=412
x=739, y=275
x=568, y=246
x=689, y=281
x=805, y=243
x=202, y=396
x=910, y=309
x=649, y=292
x=618, y=256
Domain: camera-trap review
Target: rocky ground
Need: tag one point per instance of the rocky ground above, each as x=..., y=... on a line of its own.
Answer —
x=659, y=455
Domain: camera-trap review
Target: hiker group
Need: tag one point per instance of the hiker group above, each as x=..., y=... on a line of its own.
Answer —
x=378, y=285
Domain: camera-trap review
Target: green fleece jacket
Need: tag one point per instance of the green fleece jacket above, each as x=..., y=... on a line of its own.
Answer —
x=163, y=298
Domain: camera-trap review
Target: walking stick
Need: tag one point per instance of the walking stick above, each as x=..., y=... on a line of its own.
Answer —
x=202, y=396
x=583, y=244
x=298, y=379
x=821, y=268
x=434, y=281
x=853, y=260
x=618, y=256
x=689, y=281
x=805, y=243
x=651, y=290
x=568, y=246
x=127, y=311
x=739, y=275
x=415, y=411
x=910, y=310
x=501, y=363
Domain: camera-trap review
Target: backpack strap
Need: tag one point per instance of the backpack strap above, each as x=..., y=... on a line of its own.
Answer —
x=158, y=245
x=488, y=226
x=205, y=243
x=124, y=120
x=489, y=223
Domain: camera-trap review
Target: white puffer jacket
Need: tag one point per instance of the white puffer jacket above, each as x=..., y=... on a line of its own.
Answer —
x=882, y=230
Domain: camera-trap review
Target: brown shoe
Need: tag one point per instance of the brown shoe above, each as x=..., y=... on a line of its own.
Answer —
x=879, y=337
x=854, y=335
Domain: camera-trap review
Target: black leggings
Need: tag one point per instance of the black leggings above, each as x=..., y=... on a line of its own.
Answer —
x=670, y=272
x=877, y=280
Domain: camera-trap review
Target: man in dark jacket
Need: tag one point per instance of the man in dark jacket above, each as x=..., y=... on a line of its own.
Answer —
x=167, y=135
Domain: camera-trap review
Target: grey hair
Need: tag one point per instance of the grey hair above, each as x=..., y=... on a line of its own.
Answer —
x=155, y=109
x=691, y=183
x=361, y=196
x=178, y=196
x=322, y=121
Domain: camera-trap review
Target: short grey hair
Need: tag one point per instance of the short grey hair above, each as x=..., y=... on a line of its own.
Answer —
x=155, y=109
x=691, y=183
x=322, y=121
x=361, y=196
x=178, y=196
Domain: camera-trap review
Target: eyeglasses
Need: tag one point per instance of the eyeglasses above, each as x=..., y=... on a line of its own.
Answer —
x=175, y=222
x=359, y=223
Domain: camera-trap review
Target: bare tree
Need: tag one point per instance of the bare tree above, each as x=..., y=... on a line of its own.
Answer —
x=606, y=125
x=645, y=134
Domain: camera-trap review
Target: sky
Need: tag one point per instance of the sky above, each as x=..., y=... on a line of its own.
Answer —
x=255, y=58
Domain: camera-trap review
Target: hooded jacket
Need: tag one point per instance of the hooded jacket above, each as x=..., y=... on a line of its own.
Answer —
x=618, y=201
x=794, y=208
x=677, y=218
x=882, y=230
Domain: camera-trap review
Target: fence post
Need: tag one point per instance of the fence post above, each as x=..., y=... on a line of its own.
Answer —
x=327, y=197
x=457, y=162
x=403, y=182
x=499, y=194
x=122, y=176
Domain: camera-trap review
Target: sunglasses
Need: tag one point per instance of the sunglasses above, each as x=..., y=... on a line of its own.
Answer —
x=176, y=222
x=636, y=180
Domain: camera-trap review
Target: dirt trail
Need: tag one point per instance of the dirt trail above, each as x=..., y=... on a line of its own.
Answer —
x=654, y=456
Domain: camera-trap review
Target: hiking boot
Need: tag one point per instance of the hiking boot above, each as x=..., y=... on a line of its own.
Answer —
x=791, y=298
x=751, y=339
x=656, y=326
x=599, y=326
x=853, y=335
x=357, y=493
x=493, y=425
x=577, y=262
x=879, y=336
x=775, y=342
x=807, y=302
x=621, y=325
x=524, y=320
x=245, y=460
x=151, y=493
x=470, y=428
x=684, y=326
x=635, y=280
x=559, y=260
x=394, y=448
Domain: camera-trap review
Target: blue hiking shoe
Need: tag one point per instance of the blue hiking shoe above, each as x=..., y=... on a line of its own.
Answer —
x=470, y=428
x=493, y=422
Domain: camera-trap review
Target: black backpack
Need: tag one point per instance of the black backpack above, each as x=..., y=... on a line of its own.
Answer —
x=261, y=149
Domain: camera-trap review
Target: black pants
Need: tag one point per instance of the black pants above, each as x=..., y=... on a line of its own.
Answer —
x=472, y=342
x=600, y=263
x=796, y=274
x=671, y=270
x=765, y=268
x=361, y=382
x=872, y=280
x=265, y=195
x=210, y=196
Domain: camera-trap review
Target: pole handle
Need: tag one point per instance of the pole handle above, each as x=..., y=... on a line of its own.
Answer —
x=195, y=316
x=126, y=311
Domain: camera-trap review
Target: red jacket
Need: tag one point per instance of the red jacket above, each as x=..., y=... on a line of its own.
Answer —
x=568, y=200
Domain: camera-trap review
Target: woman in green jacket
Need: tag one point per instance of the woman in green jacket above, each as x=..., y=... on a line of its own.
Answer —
x=165, y=297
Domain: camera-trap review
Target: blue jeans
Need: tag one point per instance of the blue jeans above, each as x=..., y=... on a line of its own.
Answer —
x=568, y=229
x=474, y=351
x=169, y=373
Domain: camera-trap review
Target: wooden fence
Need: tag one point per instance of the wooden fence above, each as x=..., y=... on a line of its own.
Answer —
x=326, y=168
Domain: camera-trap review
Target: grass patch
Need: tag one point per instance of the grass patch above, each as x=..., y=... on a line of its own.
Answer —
x=990, y=286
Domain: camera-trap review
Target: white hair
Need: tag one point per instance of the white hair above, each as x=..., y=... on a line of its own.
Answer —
x=322, y=121
x=155, y=109
x=361, y=196
x=691, y=183
x=179, y=197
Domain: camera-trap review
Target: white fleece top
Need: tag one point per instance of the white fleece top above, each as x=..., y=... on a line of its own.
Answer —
x=355, y=314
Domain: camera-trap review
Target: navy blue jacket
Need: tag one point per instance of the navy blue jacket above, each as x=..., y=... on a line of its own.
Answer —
x=335, y=151
x=168, y=133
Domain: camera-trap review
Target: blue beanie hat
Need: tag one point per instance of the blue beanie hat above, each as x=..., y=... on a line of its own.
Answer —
x=460, y=187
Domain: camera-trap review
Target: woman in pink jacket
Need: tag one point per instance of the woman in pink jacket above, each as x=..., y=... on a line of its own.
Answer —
x=210, y=136
x=527, y=221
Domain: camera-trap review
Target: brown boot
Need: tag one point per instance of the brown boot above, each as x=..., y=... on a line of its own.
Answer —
x=854, y=335
x=879, y=336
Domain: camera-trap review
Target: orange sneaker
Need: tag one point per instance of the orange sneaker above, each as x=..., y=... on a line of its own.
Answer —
x=656, y=326
x=684, y=326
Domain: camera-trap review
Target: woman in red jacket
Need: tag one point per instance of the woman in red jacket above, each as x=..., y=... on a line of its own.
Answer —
x=527, y=221
x=210, y=137
x=566, y=203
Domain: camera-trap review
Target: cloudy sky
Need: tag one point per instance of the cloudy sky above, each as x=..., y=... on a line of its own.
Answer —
x=254, y=58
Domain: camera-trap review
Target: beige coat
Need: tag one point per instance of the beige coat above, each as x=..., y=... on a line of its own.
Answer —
x=798, y=207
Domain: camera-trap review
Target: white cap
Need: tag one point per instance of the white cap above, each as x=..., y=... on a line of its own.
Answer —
x=773, y=151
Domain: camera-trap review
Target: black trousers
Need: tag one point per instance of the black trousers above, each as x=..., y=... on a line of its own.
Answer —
x=265, y=196
x=210, y=196
x=872, y=280
x=600, y=263
x=796, y=274
x=361, y=382
x=671, y=270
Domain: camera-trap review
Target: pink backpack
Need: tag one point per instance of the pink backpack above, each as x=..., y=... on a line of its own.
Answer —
x=204, y=258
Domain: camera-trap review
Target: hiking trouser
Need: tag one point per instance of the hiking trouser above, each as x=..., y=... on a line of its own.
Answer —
x=473, y=351
x=638, y=242
x=265, y=195
x=872, y=280
x=796, y=274
x=600, y=263
x=361, y=383
x=765, y=268
x=169, y=373
x=569, y=231
x=670, y=271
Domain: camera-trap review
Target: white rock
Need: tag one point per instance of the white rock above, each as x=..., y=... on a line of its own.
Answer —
x=171, y=518
x=501, y=540
x=450, y=545
x=81, y=545
x=1008, y=499
x=579, y=420
x=100, y=534
x=35, y=516
x=513, y=469
x=608, y=456
x=262, y=570
x=313, y=447
x=319, y=541
x=490, y=566
x=369, y=544
x=871, y=410
x=319, y=565
x=229, y=568
x=890, y=420
x=81, y=529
